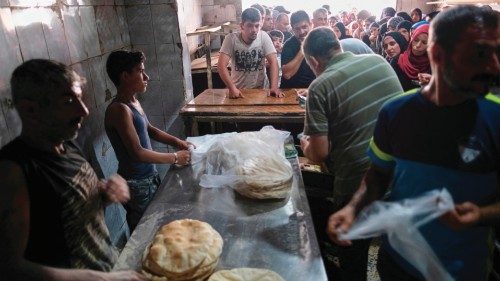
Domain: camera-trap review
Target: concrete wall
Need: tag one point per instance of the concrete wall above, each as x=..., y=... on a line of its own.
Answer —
x=82, y=33
x=408, y=5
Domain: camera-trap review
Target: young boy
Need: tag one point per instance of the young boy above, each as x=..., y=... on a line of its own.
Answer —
x=277, y=38
x=129, y=131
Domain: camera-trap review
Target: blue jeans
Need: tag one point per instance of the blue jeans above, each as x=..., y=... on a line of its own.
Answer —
x=141, y=193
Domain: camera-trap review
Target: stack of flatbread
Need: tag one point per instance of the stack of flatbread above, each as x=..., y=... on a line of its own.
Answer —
x=183, y=250
x=245, y=274
x=264, y=177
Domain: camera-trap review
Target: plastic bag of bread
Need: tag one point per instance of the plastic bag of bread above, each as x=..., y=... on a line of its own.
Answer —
x=245, y=274
x=253, y=163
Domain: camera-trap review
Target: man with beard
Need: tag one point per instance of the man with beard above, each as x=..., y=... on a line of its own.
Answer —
x=295, y=71
x=51, y=201
x=445, y=135
x=248, y=71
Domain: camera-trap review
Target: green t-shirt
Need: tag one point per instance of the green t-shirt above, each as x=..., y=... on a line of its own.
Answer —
x=343, y=103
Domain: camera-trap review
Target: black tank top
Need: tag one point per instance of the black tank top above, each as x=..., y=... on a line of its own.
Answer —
x=129, y=168
x=67, y=227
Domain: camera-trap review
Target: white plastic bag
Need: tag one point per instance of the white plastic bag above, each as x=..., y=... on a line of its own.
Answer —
x=220, y=159
x=400, y=221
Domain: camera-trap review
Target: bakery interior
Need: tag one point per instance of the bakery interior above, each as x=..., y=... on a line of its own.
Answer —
x=175, y=36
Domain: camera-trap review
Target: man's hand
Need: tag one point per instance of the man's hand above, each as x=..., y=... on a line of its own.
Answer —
x=183, y=157
x=340, y=222
x=465, y=215
x=424, y=78
x=304, y=141
x=276, y=93
x=302, y=92
x=127, y=275
x=184, y=145
x=115, y=189
x=235, y=93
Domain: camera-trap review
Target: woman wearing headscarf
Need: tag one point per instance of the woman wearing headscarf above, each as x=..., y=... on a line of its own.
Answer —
x=393, y=44
x=414, y=60
x=339, y=30
x=404, y=28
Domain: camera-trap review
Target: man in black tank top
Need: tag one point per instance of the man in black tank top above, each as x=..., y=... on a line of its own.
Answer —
x=129, y=131
x=51, y=201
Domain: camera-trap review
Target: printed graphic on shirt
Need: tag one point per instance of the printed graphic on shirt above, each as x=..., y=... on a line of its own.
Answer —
x=248, y=61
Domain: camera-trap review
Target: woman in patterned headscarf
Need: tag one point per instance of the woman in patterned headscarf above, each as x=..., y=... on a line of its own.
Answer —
x=414, y=60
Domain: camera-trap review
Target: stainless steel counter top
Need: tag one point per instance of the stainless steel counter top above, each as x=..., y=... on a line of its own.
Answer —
x=272, y=234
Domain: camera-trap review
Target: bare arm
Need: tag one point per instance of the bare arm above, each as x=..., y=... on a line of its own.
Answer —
x=14, y=230
x=224, y=75
x=468, y=214
x=273, y=67
x=315, y=147
x=119, y=117
x=289, y=69
x=372, y=187
x=166, y=138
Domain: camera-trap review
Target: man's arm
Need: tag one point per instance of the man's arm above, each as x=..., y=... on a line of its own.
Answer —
x=224, y=75
x=290, y=69
x=273, y=68
x=119, y=117
x=14, y=231
x=373, y=187
x=315, y=147
x=166, y=138
x=468, y=214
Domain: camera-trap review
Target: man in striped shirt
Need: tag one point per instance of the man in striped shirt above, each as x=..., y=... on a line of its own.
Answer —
x=342, y=107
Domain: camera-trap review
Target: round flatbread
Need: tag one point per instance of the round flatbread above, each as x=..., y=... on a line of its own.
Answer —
x=180, y=248
x=268, y=176
x=245, y=274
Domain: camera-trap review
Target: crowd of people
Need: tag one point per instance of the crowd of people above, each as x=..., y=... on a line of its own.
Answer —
x=414, y=93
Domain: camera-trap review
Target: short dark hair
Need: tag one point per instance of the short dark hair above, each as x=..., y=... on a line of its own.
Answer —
x=260, y=8
x=432, y=15
x=120, y=61
x=280, y=15
x=268, y=12
x=448, y=26
x=299, y=16
x=250, y=15
x=321, y=43
x=276, y=33
x=36, y=79
x=388, y=12
x=405, y=16
x=363, y=14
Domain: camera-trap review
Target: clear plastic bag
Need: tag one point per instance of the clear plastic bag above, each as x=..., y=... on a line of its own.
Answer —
x=400, y=221
x=224, y=161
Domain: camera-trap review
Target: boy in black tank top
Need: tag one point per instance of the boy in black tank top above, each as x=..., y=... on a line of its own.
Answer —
x=51, y=201
x=129, y=131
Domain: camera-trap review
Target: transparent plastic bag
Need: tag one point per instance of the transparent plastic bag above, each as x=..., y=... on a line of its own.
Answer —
x=221, y=161
x=400, y=221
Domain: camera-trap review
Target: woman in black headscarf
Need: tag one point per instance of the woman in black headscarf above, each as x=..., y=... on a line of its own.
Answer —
x=393, y=44
x=404, y=28
x=340, y=31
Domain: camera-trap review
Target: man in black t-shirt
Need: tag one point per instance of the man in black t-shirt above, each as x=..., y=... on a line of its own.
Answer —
x=296, y=72
x=51, y=201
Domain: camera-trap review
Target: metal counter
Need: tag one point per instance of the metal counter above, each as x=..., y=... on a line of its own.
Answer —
x=273, y=234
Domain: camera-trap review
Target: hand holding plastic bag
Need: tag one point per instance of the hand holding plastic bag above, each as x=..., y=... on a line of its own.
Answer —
x=400, y=221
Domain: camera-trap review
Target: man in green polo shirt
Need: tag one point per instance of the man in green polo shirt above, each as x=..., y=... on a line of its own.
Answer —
x=342, y=107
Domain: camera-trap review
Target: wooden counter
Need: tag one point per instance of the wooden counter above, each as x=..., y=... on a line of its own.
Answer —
x=213, y=105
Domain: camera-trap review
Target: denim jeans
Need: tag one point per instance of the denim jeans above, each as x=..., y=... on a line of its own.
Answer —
x=141, y=193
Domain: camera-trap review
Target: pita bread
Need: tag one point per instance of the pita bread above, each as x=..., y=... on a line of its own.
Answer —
x=268, y=176
x=183, y=250
x=245, y=274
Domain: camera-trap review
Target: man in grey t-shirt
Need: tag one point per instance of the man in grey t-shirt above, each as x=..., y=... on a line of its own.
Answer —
x=248, y=51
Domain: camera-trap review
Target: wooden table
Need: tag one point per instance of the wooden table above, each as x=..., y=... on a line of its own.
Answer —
x=213, y=105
